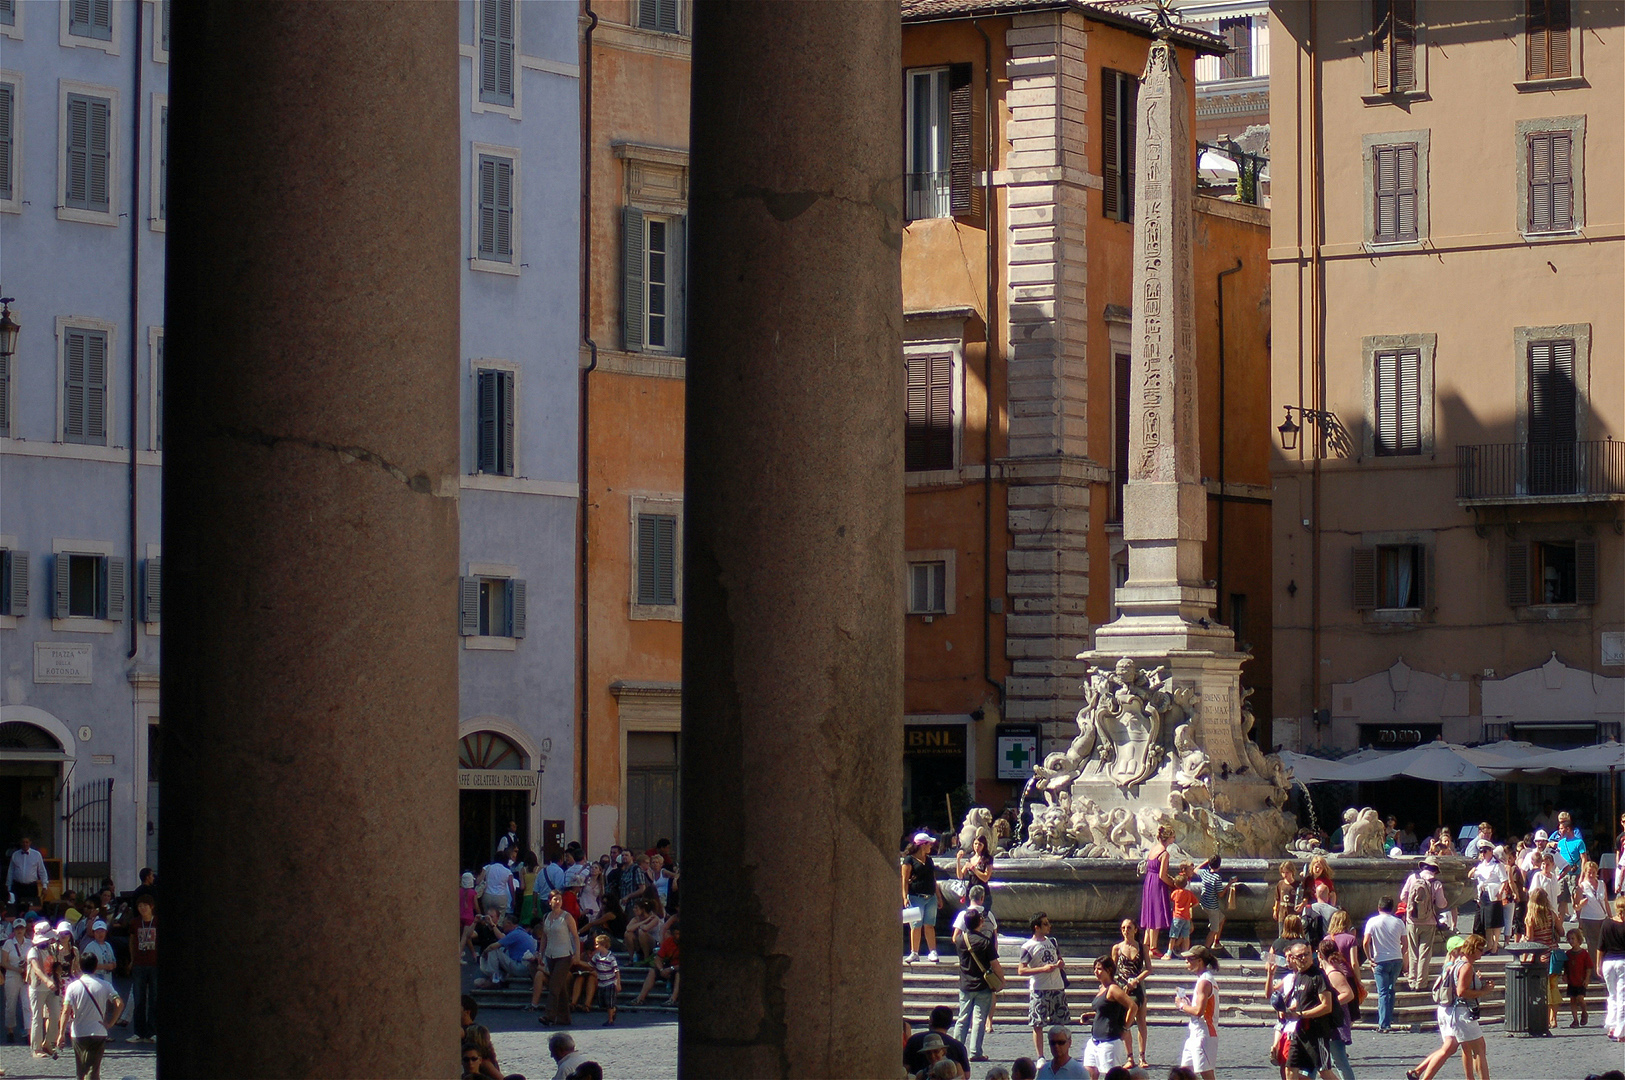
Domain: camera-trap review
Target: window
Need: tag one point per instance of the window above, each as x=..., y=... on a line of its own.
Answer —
x=939, y=142
x=1120, y=98
x=928, y=443
x=1551, y=182
x=496, y=209
x=1552, y=572
x=658, y=15
x=1238, y=34
x=8, y=12
x=497, y=52
x=1393, y=46
x=1553, y=467
x=84, y=386
x=494, y=434
x=1122, y=386
x=1390, y=577
x=89, y=154
x=156, y=341
x=928, y=588
x=8, y=142
x=1546, y=40
x=1399, y=402
x=88, y=586
x=491, y=606
x=657, y=560
x=652, y=288
x=91, y=19
x=160, y=187
x=1395, y=197
x=152, y=589
x=13, y=582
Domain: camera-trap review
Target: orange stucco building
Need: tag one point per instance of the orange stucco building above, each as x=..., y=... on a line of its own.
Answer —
x=1017, y=441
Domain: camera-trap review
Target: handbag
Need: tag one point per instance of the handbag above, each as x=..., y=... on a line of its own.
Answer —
x=993, y=979
x=913, y=915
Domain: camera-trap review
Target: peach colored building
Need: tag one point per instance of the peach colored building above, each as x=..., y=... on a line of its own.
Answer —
x=1017, y=410
x=1448, y=261
x=635, y=82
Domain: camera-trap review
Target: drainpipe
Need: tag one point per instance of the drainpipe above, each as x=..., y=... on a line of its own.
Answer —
x=132, y=590
x=592, y=364
x=1317, y=330
x=1218, y=285
x=989, y=307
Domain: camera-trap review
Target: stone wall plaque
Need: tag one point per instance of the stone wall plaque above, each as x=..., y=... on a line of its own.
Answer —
x=1613, y=648
x=61, y=662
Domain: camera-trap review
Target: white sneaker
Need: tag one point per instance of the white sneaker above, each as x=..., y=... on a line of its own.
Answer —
x=932, y=956
x=912, y=958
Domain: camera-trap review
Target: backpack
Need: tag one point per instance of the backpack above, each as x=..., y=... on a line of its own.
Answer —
x=1419, y=906
x=1443, y=990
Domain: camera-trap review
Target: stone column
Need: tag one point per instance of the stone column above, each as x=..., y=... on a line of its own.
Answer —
x=793, y=625
x=310, y=532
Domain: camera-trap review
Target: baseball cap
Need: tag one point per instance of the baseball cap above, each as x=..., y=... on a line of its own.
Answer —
x=64, y=927
x=98, y=925
x=18, y=924
x=923, y=838
x=1540, y=834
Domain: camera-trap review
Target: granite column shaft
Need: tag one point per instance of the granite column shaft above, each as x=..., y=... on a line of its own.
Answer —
x=792, y=637
x=310, y=541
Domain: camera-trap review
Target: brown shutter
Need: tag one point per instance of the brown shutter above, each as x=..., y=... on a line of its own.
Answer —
x=961, y=177
x=942, y=412
x=1585, y=571
x=1537, y=53
x=1430, y=595
x=918, y=414
x=1130, y=110
x=1387, y=194
x=1404, y=45
x=1562, y=181
x=1540, y=182
x=1557, y=38
x=1406, y=192
x=1365, y=578
x=1381, y=41
x=1517, y=575
x=1109, y=169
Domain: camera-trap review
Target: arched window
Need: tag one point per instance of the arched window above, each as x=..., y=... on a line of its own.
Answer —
x=18, y=735
x=487, y=750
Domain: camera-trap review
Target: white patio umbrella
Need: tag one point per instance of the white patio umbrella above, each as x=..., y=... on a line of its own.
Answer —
x=1310, y=769
x=1608, y=757
x=1438, y=761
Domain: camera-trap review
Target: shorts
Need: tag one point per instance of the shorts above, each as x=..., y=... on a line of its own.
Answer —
x=1311, y=1056
x=1103, y=1054
x=1046, y=1008
x=1577, y=993
x=1179, y=929
x=1201, y=1053
x=927, y=905
x=606, y=995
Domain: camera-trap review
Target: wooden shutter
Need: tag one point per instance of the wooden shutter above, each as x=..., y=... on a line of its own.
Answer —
x=496, y=209
x=61, y=585
x=929, y=440
x=1547, y=40
x=17, y=572
x=632, y=279
x=648, y=541
x=78, y=164
x=1399, y=402
x=1129, y=110
x=516, y=608
x=657, y=559
x=1552, y=394
x=101, y=18
x=496, y=51
x=8, y=12
x=468, y=606
x=1562, y=181
x=1517, y=575
x=1381, y=53
x=152, y=590
x=961, y=177
x=73, y=386
x=98, y=193
x=677, y=284
x=1238, y=35
x=1404, y=45
x=1551, y=181
x=79, y=18
x=116, y=583
x=666, y=16
x=1365, y=578
x=1110, y=151
x=163, y=24
x=8, y=98
x=5, y=396
x=95, y=387
x=158, y=396
x=163, y=159
x=1387, y=194
x=1585, y=571
x=488, y=408
x=505, y=405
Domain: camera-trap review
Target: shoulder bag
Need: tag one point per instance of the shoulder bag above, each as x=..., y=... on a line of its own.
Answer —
x=993, y=979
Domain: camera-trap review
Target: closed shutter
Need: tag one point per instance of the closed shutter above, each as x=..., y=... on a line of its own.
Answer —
x=1381, y=35
x=8, y=12
x=496, y=51
x=632, y=279
x=516, y=608
x=658, y=15
x=1517, y=575
x=1128, y=109
x=961, y=178
x=1551, y=182
x=1547, y=40
x=468, y=606
x=506, y=405
x=158, y=396
x=87, y=155
x=1365, y=578
x=84, y=391
x=1238, y=35
x=929, y=440
x=91, y=19
x=677, y=291
x=1110, y=168
x=1396, y=194
x=8, y=98
x=494, y=452
x=496, y=209
x=152, y=590
x=1399, y=402
x=17, y=577
x=657, y=559
x=1552, y=395
x=163, y=159
x=117, y=587
x=1394, y=45
x=163, y=24
x=61, y=585
x=5, y=396
x=1585, y=572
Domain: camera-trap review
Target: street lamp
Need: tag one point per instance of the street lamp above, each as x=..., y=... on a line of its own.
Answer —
x=1337, y=438
x=8, y=328
x=1289, y=431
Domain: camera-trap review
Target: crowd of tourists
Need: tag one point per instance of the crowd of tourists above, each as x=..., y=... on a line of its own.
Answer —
x=60, y=953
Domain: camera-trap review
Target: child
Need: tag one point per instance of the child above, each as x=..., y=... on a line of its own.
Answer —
x=1183, y=900
x=606, y=970
x=1577, y=972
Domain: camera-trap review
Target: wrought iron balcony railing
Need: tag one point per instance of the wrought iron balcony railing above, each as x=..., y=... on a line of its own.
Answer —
x=1541, y=471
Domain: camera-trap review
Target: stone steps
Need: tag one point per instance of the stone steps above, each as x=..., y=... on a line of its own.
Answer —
x=515, y=994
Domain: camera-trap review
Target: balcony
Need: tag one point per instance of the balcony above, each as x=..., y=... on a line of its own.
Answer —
x=927, y=195
x=1493, y=473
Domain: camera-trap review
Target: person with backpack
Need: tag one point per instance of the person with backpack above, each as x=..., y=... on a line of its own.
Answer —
x=1456, y=994
x=1423, y=897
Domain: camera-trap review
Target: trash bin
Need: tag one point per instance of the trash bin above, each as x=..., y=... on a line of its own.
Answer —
x=1526, y=995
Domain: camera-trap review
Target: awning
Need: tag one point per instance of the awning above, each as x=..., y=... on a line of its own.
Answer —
x=1440, y=762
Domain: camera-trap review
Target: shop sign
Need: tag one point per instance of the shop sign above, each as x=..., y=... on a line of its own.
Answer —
x=934, y=740
x=1395, y=736
x=1017, y=750
x=495, y=779
x=61, y=662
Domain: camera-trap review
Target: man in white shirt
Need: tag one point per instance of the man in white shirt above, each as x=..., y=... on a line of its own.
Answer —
x=1383, y=941
x=88, y=1006
x=563, y=1050
x=14, y=962
x=497, y=896
x=26, y=877
x=1043, y=965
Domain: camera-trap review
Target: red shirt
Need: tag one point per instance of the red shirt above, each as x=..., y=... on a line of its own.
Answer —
x=1578, y=968
x=668, y=951
x=1182, y=899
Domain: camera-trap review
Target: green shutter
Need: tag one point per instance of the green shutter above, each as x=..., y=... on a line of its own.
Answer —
x=496, y=51
x=505, y=402
x=152, y=590
x=61, y=585
x=516, y=608
x=8, y=12
x=117, y=587
x=632, y=279
x=17, y=581
x=468, y=606
x=8, y=99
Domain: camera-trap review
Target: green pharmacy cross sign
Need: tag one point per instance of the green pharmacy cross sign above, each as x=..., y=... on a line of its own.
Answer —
x=1017, y=751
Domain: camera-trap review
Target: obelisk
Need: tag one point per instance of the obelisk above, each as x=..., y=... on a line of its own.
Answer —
x=1166, y=604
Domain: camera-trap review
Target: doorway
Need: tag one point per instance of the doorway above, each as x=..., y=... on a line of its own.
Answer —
x=651, y=789
x=495, y=785
x=934, y=774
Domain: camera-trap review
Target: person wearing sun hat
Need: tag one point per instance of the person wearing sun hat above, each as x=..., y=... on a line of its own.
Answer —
x=920, y=891
x=14, y=962
x=43, y=1002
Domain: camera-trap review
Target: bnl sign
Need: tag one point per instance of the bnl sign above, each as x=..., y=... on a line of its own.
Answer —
x=1017, y=750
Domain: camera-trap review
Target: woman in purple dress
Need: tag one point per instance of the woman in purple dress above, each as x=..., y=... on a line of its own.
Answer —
x=1156, y=908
